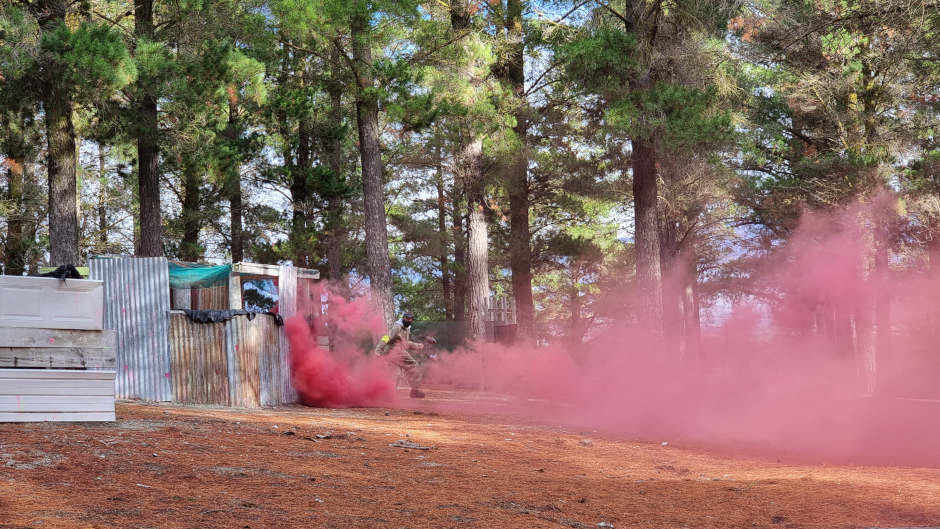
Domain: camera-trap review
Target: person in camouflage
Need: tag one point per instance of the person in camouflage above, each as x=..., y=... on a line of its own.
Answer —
x=402, y=353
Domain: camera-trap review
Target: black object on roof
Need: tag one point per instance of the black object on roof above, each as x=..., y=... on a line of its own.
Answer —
x=64, y=272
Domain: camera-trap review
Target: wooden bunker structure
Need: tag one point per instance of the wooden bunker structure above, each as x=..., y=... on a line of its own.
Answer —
x=166, y=350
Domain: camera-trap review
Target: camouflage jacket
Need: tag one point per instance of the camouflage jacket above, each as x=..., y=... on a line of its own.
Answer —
x=397, y=335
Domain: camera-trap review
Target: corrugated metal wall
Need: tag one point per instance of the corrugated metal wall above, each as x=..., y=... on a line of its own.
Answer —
x=287, y=307
x=136, y=306
x=198, y=364
x=252, y=348
x=232, y=363
x=210, y=298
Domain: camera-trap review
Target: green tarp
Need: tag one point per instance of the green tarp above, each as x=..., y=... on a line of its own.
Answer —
x=191, y=275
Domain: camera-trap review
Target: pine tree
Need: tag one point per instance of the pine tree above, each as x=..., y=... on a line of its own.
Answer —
x=65, y=66
x=629, y=59
x=836, y=117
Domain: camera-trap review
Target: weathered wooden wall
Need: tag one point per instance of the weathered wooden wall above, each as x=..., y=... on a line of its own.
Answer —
x=56, y=348
x=209, y=298
x=212, y=298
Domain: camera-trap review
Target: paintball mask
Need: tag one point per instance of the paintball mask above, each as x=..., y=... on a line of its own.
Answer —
x=407, y=319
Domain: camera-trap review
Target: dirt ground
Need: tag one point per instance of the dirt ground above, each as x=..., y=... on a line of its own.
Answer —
x=164, y=466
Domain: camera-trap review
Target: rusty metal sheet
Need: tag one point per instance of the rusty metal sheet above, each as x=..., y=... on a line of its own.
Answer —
x=252, y=346
x=212, y=298
x=287, y=306
x=200, y=365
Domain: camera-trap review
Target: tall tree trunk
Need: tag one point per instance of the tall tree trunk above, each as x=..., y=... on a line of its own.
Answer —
x=865, y=352
x=60, y=135
x=575, y=322
x=233, y=183
x=15, y=248
x=843, y=330
x=300, y=195
x=691, y=305
x=190, y=249
x=460, y=253
x=672, y=273
x=520, y=244
x=933, y=275
x=32, y=253
x=336, y=232
x=443, y=239
x=61, y=153
x=469, y=170
x=874, y=312
x=644, y=22
x=646, y=236
x=883, y=334
x=478, y=255
x=864, y=316
x=373, y=177
x=148, y=171
x=102, y=200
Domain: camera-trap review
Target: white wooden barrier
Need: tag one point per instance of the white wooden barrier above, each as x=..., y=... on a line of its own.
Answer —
x=28, y=395
x=54, y=324
x=49, y=303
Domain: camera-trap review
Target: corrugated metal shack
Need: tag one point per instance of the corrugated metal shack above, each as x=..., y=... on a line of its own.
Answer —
x=163, y=355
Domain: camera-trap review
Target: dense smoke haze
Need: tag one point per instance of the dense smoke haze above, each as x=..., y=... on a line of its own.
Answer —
x=803, y=366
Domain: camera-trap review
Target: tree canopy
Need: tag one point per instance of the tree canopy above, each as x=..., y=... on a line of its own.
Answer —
x=589, y=163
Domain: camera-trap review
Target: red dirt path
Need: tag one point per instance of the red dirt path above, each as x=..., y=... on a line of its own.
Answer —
x=166, y=466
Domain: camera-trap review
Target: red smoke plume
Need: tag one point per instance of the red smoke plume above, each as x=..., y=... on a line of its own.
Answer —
x=827, y=357
x=345, y=376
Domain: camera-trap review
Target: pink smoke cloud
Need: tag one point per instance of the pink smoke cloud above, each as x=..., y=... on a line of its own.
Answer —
x=788, y=372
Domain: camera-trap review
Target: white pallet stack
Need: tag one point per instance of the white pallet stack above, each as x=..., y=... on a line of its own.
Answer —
x=57, y=363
